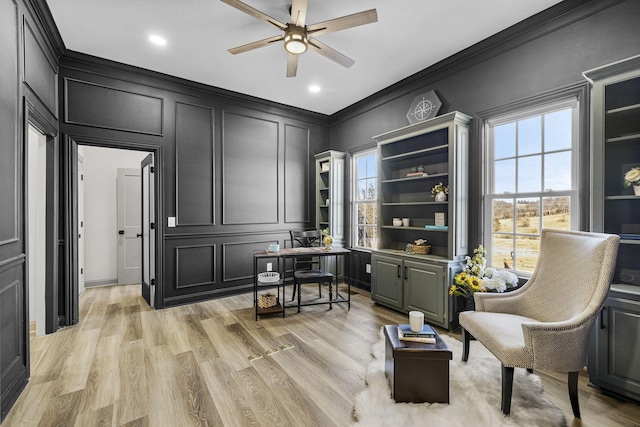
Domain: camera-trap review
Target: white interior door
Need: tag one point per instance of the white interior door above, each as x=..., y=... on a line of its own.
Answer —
x=129, y=226
x=148, y=231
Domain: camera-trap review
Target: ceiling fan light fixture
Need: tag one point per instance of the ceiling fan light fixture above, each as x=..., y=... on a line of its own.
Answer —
x=295, y=40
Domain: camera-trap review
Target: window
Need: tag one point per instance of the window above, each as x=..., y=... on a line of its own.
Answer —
x=365, y=196
x=531, y=181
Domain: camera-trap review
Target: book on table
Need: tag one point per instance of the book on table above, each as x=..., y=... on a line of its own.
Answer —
x=426, y=335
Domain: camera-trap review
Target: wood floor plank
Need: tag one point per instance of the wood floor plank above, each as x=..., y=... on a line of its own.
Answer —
x=131, y=400
x=197, y=406
x=159, y=376
x=103, y=382
x=102, y=417
x=132, y=323
x=126, y=364
x=79, y=361
x=232, y=404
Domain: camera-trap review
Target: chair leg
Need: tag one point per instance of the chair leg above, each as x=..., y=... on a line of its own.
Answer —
x=573, y=393
x=466, y=339
x=293, y=296
x=507, y=387
x=299, y=297
x=319, y=290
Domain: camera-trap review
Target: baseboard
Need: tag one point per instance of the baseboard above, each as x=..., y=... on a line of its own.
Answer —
x=103, y=282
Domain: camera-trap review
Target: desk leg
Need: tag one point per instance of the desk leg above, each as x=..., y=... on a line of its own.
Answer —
x=255, y=287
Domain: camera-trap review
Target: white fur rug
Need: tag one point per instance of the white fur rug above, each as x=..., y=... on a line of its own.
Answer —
x=474, y=394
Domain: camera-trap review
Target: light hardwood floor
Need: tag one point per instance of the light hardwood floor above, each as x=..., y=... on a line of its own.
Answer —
x=127, y=365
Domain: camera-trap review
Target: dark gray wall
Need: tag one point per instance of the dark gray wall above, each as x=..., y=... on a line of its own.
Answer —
x=28, y=93
x=236, y=172
x=543, y=53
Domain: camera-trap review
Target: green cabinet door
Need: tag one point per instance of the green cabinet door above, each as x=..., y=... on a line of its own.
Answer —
x=386, y=280
x=618, y=346
x=424, y=290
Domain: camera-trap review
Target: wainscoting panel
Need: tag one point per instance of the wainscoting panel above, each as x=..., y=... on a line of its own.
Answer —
x=250, y=170
x=195, y=266
x=13, y=351
x=237, y=259
x=100, y=106
x=9, y=159
x=296, y=174
x=195, y=159
x=40, y=73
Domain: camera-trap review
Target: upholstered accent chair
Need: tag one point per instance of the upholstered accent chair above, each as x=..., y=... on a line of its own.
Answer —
x=546, y=323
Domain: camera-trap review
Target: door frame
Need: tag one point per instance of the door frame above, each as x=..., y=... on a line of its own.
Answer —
x=69, y=215
x=33, y=115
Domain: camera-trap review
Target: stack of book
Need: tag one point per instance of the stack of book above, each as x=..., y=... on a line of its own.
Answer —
x=427, y=335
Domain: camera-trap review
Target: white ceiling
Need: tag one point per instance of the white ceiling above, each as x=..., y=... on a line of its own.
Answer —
x=410, y=35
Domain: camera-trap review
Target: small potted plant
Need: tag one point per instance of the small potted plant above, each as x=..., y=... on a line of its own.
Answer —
x=421, y=168
x=632, y=178
x=439, y=192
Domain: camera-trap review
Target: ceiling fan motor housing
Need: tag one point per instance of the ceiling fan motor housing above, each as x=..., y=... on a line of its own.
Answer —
x=295, y=39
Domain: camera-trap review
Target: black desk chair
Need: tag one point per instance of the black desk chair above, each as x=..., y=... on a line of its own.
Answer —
x=308, y=269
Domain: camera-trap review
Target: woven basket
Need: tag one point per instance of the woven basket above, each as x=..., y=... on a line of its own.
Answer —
x=268, y=277
x=420, y=250
x=266, y=300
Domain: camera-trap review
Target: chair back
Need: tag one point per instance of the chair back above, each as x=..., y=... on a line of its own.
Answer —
x=572, y=275
x=305, y=239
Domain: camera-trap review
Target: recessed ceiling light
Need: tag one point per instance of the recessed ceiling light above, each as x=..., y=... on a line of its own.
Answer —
x=160, y=41
x=314, y=88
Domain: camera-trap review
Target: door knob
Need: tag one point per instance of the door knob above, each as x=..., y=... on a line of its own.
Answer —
x=139, y=235
x=120, y=231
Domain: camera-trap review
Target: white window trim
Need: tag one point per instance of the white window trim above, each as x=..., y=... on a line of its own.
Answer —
x=574, y=194
x=354, y=196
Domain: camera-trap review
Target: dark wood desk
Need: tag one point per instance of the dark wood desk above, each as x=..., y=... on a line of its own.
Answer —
x=281, y=256
x=416, y=372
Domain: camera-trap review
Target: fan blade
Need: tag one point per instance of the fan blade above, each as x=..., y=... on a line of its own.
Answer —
x=292, y=64
x=255, y=13
x=330, y=53
x=338, y=24
x=255, y=45
x=299, y=12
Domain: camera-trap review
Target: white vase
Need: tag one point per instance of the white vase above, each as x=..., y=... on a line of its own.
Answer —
x=441, y=197
x=636, y=190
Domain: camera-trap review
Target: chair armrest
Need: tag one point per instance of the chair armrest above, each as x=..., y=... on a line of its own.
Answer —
x=560, y=346
x=507, y=302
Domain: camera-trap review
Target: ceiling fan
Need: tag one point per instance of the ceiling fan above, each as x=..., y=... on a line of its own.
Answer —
x=298, y=36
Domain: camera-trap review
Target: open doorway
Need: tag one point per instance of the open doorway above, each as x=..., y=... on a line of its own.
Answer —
x=36, y=226
x=110, y=223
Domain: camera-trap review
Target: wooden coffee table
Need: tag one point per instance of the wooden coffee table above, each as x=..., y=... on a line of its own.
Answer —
x=416, y=372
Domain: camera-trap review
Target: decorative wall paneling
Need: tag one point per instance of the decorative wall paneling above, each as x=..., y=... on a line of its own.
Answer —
x=91, y=104
x=9, y=126
x=215, y=265
x=14, y=361
x=250, y=154
x=40, y=68
x=195, y=266
x=195, y=165
x=297, y=194
x=226, y=169
x=28, y=92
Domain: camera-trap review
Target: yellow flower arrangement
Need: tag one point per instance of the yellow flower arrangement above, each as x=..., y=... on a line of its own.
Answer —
x=465, y=285
x=477, y=278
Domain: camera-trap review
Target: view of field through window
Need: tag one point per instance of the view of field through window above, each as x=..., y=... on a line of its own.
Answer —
x=531, y=185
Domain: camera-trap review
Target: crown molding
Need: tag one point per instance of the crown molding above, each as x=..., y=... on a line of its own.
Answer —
x=534, y=27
